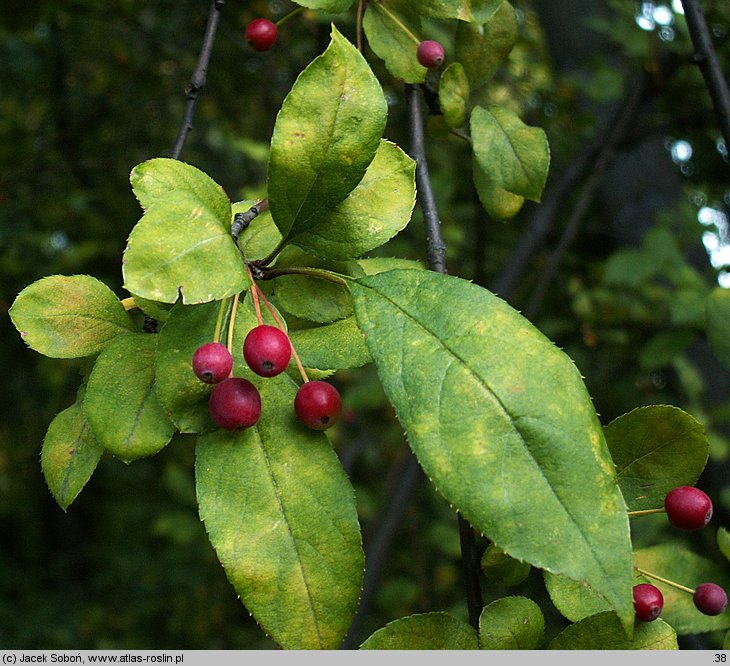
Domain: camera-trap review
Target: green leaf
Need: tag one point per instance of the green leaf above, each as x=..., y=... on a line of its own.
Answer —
x=332, y=6
x=325, y=136
x=331, y=346
x=484, y=398
x=309, y=297
x=280, y=513
x=499, y=567
x=375, y=211
x=68, y=316
x=629, y=268
x=454, y=94
x=182, y=247
x=482, y=48
x=511, y=623
x=659, y=254
x=184, y=397
x=661, y=350
x=500, y=204
x=158, y=311
x=603, y=631
x=655, y=448
x=426, y=631
x=69, y=455
x=374, y=265
x=121, y=404
x=717, y=312
x=467, y=10
x=723, y=541
x=512, y=155
x=159, y=178
x=574, y=600
x=676, y=562
x=312, y=298
x=383, y=27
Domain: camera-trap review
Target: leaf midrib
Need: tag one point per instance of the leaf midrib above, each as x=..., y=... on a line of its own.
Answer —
x=508, y=415
x=282, y=511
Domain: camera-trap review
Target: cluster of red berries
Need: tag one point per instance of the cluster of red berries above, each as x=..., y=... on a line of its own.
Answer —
x=687, y=508
x=235, y=402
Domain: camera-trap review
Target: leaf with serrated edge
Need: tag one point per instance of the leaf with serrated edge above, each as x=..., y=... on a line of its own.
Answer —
x=656, y=448
x=182, y=247
x=325, y=136
x=69, y=455
x=280, y=513
x=501, y=422
x=161, y=177
x=603, y=631
x=121, y=404
x=514, y=157
x=375, y=211
x=68, y=316
x=425, y=631
x=574, y=600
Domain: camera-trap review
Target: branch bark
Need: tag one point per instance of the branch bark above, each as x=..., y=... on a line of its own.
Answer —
x=198, y=79
x=706, y=59
x=435, y=246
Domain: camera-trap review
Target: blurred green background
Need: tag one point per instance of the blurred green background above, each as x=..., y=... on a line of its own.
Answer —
x=639, y=207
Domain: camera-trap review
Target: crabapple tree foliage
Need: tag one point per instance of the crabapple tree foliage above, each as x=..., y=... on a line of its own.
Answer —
x=498, y=417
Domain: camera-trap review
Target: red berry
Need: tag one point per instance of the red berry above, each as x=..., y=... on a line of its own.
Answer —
x=648, y=602
x=235, y=404
x=710, y=599
x=317, y=404
x=430, y=54
x=261, y=34
x=212, y=362
x=688, y=508
x=267, y=350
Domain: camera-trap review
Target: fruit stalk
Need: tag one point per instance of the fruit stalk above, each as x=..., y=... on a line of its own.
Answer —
x=648, y=574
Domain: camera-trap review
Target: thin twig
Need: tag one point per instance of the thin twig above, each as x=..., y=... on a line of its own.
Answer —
x=706, y=59
x=242, y=220
x=358, y=30
x=197, y=81
x=435, y=246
